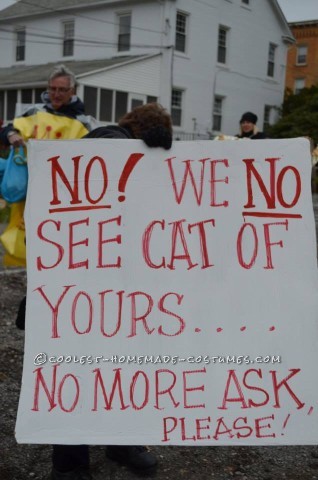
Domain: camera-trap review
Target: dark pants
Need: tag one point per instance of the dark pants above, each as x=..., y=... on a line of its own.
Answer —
x=67, y=457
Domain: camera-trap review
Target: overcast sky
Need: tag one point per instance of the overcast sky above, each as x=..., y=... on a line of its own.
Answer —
x=294, y=10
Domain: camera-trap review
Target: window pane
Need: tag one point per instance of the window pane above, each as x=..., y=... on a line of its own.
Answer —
x=26, y=95
x=124, y=32
x=12, y=100
x=90, y=100
x=222, y=45
x=68, y=39
x=176, y=117
x=38, y=93
x=136, y=103
x=106, y=105
x=299, y=85
x=176, y=107
x=121, y=105
x=151, y=99
x=270, y=69
x=302, y=55
x=181, y=27
x=271, y=60
x=217, y=114
x=180, y=42
x=20, y=44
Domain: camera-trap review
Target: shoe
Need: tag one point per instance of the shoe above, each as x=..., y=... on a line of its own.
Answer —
x=80, y=473
x=136, y=457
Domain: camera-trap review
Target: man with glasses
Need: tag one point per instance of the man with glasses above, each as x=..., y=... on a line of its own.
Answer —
x=60, y=117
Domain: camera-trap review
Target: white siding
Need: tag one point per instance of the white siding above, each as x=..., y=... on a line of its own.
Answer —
x=243, y=81
x=140, y=77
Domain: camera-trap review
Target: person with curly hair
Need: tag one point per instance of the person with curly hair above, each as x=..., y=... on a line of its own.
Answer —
x=150, y=123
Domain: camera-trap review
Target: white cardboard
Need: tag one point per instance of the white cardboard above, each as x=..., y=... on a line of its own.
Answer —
x=207, y=334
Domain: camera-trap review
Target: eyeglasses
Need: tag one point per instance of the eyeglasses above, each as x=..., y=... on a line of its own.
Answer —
x=59, y=89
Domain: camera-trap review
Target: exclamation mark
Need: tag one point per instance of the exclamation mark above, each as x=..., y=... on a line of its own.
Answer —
x=128, y=168
x=286, y=421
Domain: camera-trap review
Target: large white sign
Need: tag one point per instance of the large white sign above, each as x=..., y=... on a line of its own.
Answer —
x=172, y=295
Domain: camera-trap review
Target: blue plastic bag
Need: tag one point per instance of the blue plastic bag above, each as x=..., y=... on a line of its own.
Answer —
x=3, y=164
x=15, y=178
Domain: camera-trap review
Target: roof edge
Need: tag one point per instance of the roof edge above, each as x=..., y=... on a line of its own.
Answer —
x=111, y=67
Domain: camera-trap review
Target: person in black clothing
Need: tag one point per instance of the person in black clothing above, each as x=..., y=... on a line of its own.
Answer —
x=249, y=128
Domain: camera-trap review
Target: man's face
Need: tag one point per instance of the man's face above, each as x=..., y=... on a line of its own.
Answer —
x=60, y=92
x=247, y=126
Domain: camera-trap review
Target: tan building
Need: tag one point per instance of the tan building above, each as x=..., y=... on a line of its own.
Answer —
x=302, y=59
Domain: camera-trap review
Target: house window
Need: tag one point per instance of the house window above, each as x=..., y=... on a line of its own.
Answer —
x=176, y=107
x=299, y=85
x=121, y=105
x=271, y=60
x=181, y=32
x=90, y=100
x=38, y=95
x=68, y=39
x=222, y=44
x=124, y=28
x=151, y=99
x=217, y=114
x=12, y=96
x=267, y=117
x=106, y=105
x=301, y=55
x=20, y=45
x=246, y=2
x=135, y=102
x=26, y=95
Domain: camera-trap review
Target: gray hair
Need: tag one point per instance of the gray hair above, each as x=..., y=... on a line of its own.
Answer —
x=62, y=71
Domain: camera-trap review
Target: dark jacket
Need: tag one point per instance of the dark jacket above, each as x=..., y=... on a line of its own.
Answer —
x=154, y=136
x=111, y=131
x=252, y=136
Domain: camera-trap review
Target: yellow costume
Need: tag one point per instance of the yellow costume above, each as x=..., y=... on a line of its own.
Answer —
x=41, y=125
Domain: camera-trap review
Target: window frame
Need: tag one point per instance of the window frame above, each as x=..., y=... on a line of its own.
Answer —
x=177, y=106
x=298, y=55
x=181, y=34
x=20, y=44
x=217, y=113
x=123, y=46
x=222, y=49
x=68, y=39
x=297, y=90
x=271, y=60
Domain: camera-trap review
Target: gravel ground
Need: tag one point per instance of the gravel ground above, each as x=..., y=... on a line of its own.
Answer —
x=24, y=462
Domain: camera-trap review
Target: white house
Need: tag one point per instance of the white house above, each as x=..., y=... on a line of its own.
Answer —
x=206, y=61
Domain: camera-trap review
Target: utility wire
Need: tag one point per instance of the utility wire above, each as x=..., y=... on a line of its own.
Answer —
x=59, y=11
x=77, y=40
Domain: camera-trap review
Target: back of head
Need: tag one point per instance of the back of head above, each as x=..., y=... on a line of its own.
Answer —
x=150, y=123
